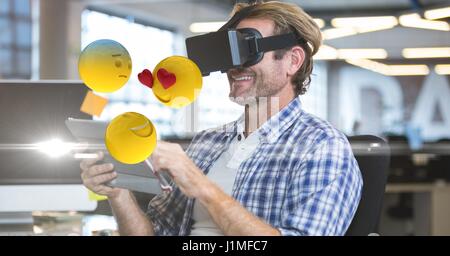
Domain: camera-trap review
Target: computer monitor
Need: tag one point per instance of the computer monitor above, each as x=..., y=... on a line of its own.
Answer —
x=32, y=112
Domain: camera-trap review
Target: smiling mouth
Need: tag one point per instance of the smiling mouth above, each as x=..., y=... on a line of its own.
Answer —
x=143, y=130
x=124, y=76
x=242, y=78
x=164, y=99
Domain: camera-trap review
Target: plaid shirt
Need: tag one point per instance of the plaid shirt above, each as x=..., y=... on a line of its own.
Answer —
x=302, y=178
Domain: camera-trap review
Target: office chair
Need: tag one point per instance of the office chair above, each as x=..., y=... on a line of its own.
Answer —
x=373, y=155
x=402, y=168
x=438, y=166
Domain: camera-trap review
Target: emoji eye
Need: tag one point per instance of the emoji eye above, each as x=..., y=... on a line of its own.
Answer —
x=118, y=63
x=129, y=65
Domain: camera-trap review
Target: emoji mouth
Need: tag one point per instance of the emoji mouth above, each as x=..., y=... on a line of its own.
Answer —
x=165, y=98
x=143, y=130
x=124, y=76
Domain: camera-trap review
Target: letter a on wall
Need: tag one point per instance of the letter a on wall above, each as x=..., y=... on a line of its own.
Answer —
x=435, y=94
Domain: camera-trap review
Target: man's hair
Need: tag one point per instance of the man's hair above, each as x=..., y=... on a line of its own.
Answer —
x=290, y=18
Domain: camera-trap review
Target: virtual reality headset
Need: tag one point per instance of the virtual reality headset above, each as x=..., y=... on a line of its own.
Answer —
x=235, y=48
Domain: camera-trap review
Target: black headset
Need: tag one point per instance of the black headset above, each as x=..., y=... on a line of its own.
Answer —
x=259, y=45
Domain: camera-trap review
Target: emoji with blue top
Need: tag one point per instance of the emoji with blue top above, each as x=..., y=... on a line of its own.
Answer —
x=105, y=65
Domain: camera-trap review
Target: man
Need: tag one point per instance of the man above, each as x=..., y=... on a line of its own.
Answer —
x=284, y=173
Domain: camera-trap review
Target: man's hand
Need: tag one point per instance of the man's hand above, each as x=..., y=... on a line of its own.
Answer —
x=189, y=178
x=130, y=218
x=96, y=176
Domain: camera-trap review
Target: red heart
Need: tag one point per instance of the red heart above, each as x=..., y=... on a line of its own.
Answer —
x=146, y=78
x=166, y=78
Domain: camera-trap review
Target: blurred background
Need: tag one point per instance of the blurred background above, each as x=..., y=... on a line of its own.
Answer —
x=383, y=69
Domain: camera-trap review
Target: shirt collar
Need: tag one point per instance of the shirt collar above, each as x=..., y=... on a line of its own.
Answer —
x=271, y=130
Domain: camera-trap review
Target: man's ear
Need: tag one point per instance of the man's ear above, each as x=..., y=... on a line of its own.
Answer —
x=297, y=57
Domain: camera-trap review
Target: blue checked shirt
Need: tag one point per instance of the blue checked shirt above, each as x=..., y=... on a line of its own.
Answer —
x=302, y=178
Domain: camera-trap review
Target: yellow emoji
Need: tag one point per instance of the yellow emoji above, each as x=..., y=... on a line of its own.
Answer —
x=177, y=81
x=130, y=138
x=104, y=65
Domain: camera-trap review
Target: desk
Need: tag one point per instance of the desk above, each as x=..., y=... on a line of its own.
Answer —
x=431, y=206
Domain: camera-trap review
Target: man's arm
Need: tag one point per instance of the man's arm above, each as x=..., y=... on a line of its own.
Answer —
x=229, y=215
x=130, y=218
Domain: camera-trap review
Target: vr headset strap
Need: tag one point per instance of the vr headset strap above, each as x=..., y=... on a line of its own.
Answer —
x=268, y=43
x=276, y=42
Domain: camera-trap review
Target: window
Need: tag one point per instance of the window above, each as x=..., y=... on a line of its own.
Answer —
x=147, y=46
x=15, y=39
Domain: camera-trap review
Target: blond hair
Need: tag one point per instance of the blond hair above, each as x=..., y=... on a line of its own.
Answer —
x=290, y=18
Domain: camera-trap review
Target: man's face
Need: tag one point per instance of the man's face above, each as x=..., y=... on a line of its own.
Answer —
x=266, y=78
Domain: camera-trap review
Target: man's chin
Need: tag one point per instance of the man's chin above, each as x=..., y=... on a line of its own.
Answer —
x=243, y=100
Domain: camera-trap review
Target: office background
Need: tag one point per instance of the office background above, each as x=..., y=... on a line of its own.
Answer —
x=362, y=82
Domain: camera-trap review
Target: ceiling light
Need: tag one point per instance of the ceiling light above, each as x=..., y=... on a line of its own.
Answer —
x=333, y=33
x=320, y=22
x=326, y=53
x=372, y=28
x=436, y=14
x=205, y=27
x=415, y=21
x=408, y=70
x=362, y=54
x=435, y=52
x=442, y=69
x=390, y=70
x=355, y=25
x=369, y=64
x=366, y=23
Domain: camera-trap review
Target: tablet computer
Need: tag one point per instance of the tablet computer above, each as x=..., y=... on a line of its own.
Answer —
x=137, y=177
